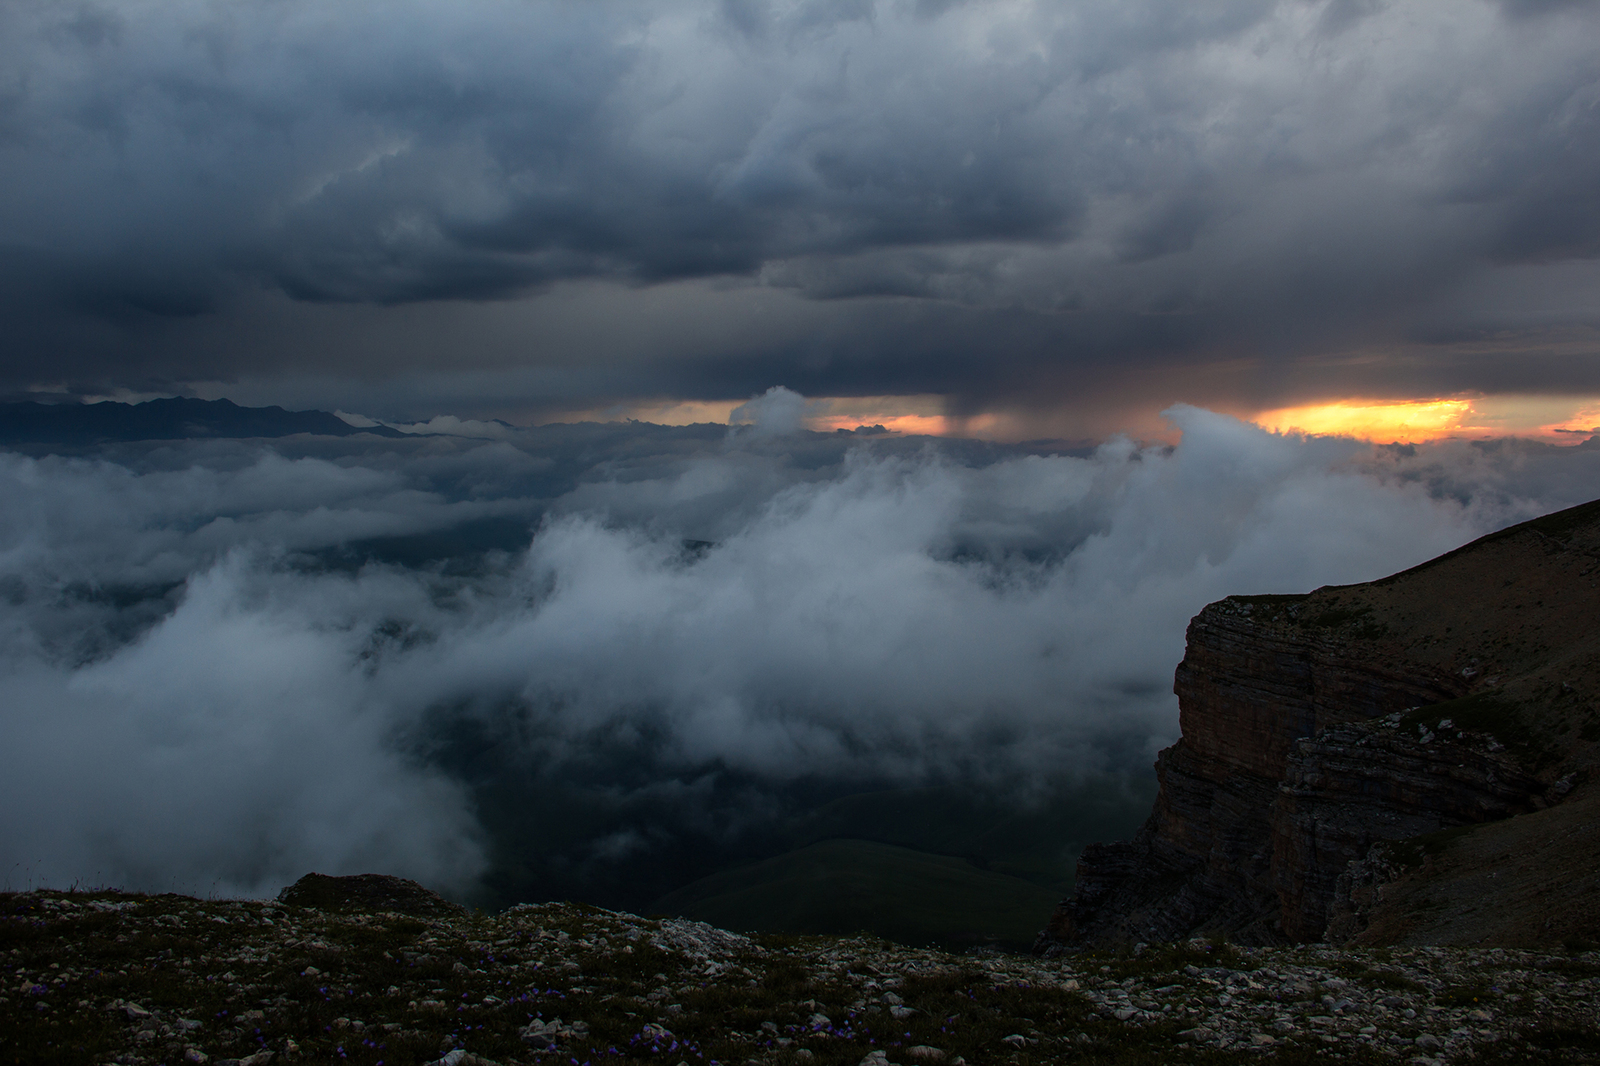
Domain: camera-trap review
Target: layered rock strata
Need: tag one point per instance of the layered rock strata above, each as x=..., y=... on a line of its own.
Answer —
x=1531, y=879
x=1314, y=726
x=1353, y=785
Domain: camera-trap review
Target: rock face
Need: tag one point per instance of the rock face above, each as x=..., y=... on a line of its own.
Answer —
x=1352, y=785
x=1459, y=692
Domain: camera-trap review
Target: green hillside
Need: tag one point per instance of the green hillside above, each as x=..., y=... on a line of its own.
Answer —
x=1038, y=842
x=846, y=886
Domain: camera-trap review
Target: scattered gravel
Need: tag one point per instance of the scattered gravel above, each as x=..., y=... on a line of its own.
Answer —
x=134, y=980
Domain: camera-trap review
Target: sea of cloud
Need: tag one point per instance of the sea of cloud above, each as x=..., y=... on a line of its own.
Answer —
x=227, y=663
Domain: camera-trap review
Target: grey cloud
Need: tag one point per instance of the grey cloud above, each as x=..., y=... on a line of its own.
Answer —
x=1536, y=8
x=223, y=751
x=1339, y=15
x=1277, y=179
x=776, y=412
x=704, y=626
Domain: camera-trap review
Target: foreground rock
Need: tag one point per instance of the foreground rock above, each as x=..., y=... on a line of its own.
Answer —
x=368, y=894
x=1458, y=694
x=134, y=980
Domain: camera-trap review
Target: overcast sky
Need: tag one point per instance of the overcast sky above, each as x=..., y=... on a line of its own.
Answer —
x=1080, y=209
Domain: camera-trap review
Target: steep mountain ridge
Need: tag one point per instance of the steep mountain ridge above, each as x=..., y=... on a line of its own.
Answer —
x=1457, y=693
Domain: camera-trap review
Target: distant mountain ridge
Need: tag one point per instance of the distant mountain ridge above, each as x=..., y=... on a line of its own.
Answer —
x=175, y=419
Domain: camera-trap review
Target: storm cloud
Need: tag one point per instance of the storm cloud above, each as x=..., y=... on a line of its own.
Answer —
x=1002, y=202
x=227, y=663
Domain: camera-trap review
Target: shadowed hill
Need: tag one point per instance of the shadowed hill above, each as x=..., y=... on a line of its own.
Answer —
x=845, y=886
x=80, y=425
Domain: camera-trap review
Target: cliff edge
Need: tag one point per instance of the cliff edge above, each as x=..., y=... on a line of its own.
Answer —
x=1354, y=759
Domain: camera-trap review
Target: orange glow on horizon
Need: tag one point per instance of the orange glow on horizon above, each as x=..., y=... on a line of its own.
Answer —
x=1555, y=419
x=1408, y=420
x=914, y=425
x=1584, y=421
x=661, y=413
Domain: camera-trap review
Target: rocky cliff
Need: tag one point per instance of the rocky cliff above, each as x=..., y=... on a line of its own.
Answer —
x=1459, y=693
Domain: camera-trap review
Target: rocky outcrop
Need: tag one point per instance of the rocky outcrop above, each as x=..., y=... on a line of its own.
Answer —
x=1314, y=726
x=368, y=893
x=1250, y=687
x=1529, y=879
x=1351, y=786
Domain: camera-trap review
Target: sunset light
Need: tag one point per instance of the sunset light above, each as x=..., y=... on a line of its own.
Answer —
x=917, y=414
x=1551, y=418
x=1554, y=419
x=1411, y=420
x=920, y=414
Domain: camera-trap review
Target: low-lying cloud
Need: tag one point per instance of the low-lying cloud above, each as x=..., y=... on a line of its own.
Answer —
x=215, y=678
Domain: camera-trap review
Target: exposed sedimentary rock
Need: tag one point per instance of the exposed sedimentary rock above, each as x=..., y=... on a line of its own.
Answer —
x=1353, y=785
x=1530, y=879
x=1316, y=725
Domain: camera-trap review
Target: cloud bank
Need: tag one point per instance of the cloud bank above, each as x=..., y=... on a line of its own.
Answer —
x=222, y=667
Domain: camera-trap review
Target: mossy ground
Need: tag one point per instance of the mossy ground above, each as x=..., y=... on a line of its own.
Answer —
x=92, y=978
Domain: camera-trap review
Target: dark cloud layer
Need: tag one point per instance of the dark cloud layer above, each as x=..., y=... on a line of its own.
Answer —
x=601, y=660
x=967, y=198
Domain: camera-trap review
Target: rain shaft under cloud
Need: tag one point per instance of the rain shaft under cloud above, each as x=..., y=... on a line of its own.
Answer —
x=226, y=664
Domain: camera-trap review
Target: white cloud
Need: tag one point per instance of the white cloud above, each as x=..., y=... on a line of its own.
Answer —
x=230, y=750
x=775, y=413
x=899, y=615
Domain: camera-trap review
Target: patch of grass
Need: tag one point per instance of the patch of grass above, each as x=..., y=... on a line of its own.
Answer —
x=786, y=977
x=1562, y=524
x=1573, y=967
x=1038, y=841
x=1471, y=994
x=1395, y=982
x=1170, y=958
x=1377, y=976
x=1562, y=1036
x=1356, y=622
x=1302, y=1055
x=1416, y=850
x=1486, y=712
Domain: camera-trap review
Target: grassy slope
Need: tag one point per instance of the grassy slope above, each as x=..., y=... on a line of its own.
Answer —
x=1039, y=843
x=842, y=886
